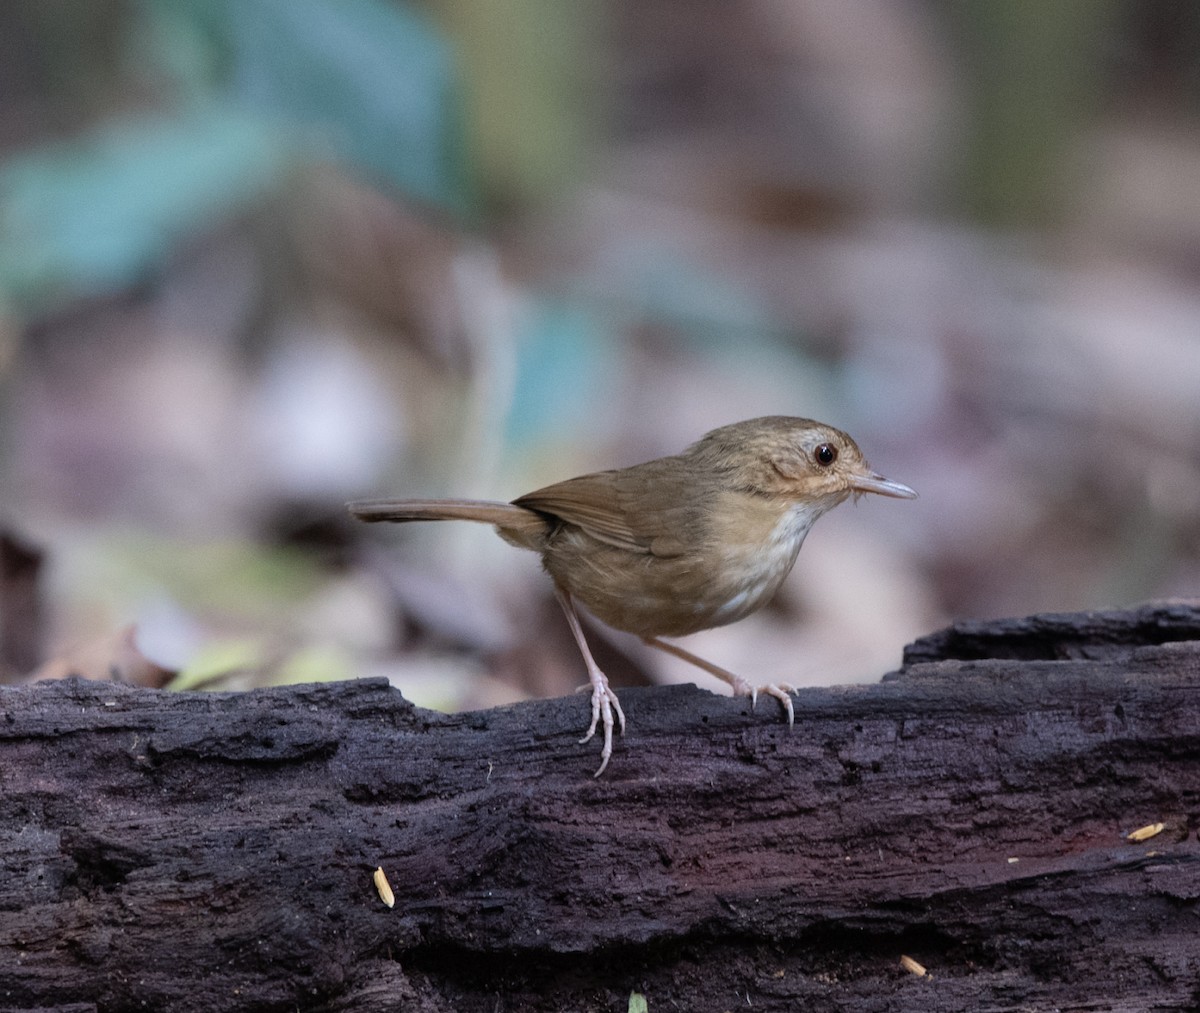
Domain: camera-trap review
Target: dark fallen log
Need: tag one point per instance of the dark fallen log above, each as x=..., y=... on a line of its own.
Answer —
x=215, y=851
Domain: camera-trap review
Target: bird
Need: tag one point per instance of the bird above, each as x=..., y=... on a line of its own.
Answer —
x=675, y=545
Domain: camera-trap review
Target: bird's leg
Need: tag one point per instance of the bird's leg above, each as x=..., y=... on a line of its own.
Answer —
x=780, y=691
x=604, y=700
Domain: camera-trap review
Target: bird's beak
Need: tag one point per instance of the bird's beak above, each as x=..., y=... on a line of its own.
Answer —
x=871, y=482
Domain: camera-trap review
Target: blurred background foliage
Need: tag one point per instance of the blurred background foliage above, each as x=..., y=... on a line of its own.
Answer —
x=258, y=257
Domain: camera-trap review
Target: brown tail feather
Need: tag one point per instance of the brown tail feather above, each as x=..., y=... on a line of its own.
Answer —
x=503, y=515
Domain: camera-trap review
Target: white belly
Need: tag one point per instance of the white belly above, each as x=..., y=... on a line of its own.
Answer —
x=773, y=561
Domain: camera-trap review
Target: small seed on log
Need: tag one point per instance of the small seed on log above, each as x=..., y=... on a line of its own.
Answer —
x=384, y=888
x=1145, y=833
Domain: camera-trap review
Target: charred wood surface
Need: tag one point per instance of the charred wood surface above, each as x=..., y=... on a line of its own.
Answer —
x=201, y=851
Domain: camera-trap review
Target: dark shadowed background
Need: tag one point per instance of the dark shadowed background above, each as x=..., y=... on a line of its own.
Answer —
x=258, y=257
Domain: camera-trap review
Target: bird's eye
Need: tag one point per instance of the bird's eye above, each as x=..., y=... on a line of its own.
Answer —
x=825, y=454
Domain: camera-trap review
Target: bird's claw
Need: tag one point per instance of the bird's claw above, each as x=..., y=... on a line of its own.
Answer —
x=604, y=702
x=780, y=691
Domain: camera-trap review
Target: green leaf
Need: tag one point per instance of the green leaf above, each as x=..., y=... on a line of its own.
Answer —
x=317, y=663
x=217, y=660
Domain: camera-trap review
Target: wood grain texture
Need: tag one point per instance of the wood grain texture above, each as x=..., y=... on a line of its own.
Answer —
x=215, y=851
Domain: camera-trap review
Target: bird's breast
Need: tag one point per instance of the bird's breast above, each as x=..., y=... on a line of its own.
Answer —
x=753, y=569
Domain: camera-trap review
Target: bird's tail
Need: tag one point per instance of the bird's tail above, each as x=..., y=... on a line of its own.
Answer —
x=505, y=516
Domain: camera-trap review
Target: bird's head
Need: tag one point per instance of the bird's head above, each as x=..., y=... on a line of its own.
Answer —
x=795, y=459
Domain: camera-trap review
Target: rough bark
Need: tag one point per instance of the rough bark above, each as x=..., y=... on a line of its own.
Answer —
x=214, y=851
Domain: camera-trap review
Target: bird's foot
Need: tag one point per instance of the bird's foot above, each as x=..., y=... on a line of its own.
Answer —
x=604, y=702
x=781, y=691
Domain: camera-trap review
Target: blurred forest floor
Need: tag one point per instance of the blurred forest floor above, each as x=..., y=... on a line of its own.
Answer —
x=258, y=258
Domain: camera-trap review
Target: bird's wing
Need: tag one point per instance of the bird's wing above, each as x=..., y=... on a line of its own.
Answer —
x=615, y=507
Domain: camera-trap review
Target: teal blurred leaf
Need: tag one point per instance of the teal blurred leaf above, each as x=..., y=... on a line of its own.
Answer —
x=698, y=302
x=566, y=360
x=367, y=82
x=100, y=213
x=262, y=85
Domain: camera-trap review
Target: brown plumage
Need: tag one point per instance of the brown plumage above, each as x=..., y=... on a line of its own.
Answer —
x=678, y=544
